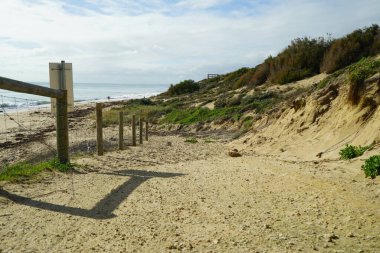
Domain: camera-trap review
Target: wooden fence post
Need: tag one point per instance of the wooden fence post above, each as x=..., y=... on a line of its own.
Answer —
x=141, y=129
x=62, y=129
x=146, y=130
x=133, y=130
x=121, y=131
x=99, y=128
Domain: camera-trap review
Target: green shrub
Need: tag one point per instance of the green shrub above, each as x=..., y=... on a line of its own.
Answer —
x=22, y=171
x=371, y=166
x=350, y=152
x=184, y=87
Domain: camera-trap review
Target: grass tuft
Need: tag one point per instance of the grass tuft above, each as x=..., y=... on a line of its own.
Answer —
x=24, y=171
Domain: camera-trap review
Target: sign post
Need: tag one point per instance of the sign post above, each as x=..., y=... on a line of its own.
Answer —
x=61, y=78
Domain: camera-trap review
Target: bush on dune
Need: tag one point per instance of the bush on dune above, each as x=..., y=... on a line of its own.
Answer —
x=299, y=60
x=305, y=57
x=351, y=48
x=371, y=166
x=350, y=152
x=184, y=87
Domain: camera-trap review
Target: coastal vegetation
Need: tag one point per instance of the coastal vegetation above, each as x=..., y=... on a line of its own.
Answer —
x=350, y=151
x=358, y=72
x=25, y=171
x=305, y=57
x=351, y=48
x=371, y=166
x=184, y=87
x=230, y=105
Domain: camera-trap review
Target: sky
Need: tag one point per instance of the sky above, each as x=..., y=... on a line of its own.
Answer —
x=162, y=41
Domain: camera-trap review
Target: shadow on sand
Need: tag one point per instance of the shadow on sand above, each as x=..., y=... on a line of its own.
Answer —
x=105, y=207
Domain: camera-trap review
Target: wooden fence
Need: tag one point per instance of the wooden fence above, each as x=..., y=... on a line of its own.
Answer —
x=61, y=96
x=99, y=129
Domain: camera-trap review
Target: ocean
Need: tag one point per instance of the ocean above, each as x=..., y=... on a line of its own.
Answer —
x=84, y=92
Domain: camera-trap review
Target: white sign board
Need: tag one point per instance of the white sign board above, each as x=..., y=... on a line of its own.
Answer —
x=57, y=81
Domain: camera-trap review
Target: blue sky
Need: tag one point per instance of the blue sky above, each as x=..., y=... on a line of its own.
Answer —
x=162, y=41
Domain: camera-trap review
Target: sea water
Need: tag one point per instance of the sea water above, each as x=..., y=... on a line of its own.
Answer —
x=84, y=92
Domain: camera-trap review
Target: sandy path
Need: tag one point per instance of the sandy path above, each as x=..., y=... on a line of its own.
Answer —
x=192, y=197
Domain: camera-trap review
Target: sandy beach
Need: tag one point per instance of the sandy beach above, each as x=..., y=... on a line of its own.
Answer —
x=169, y=195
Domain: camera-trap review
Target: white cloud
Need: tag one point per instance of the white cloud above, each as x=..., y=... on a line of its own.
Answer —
x=149, y=42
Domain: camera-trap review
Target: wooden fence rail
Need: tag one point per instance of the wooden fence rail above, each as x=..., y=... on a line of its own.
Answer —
x=18, y=86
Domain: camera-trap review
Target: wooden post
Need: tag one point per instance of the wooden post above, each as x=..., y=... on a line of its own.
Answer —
x=99, y=128
x=146, y=130
x=141, y=129
x=133, y=130
x=121, y=131
x=62, y=129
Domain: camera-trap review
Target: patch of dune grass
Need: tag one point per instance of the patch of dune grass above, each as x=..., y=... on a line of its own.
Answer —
x=23, y=171
x=199, y=115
